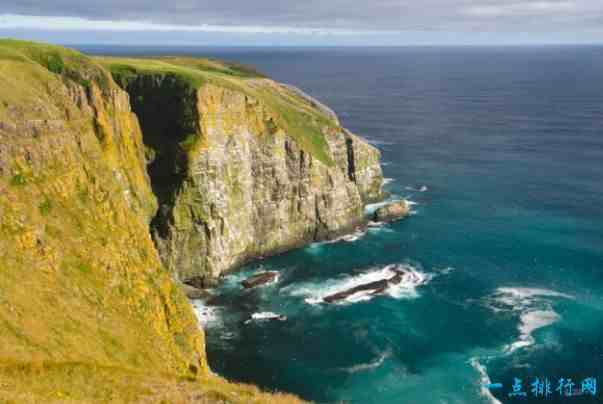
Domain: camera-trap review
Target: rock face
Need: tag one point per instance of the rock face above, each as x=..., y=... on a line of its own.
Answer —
x=392, y=211
x=81, y=278
x=246, y=184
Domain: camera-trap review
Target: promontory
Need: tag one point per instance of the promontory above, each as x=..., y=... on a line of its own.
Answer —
x=119, y=179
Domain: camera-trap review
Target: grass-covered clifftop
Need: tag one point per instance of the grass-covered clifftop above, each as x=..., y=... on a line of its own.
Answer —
x=295, y=114
x=87, y=312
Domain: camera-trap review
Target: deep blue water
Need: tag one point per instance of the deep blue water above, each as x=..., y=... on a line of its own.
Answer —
x=509, y=233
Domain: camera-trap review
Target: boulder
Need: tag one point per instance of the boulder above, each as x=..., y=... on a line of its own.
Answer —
x=259, y=279
x=392, y=211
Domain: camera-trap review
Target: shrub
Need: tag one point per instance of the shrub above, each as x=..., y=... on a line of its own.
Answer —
x=55, y=64
x=18, y=179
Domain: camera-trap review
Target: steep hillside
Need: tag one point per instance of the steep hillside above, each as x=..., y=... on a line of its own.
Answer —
x=87, y=311
x=243, y=166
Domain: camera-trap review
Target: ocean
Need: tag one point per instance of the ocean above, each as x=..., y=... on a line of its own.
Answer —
x=501, y=151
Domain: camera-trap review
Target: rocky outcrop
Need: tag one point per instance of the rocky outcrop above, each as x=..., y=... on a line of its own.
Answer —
x=371, y=288
x=244, y=183
x=392, y=211
x=259, y=279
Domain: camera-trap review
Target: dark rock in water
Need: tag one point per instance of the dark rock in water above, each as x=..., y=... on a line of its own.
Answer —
x=194, y=293
x=201, y=282
x=374, y=288
x=392, y=211
x=259, y=279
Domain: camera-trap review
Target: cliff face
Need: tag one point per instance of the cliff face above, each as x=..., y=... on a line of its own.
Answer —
x=228, y=166
x=240, y=184
x=81, y=279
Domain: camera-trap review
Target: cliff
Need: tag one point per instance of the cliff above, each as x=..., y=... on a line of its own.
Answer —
x=243, y=167
x=87, y=311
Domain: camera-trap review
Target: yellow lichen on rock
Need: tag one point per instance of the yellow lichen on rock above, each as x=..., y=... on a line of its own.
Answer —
x=80, y=279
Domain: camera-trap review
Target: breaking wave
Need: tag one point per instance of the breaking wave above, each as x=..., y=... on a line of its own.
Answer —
x=483, y=381
x=314, y=293
x=206, y=315
x=265, y=315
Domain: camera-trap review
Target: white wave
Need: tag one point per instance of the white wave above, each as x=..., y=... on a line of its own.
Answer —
x=530, y=322
x=314, y=293
x=367, y=366
x=372, y=207
x=388, y=181
x=518, y=299
x=357, y=235
x=374, y=227
x=484, y=380
x=206, y=315
x=266, y=315
x=422, y=188
x=535, y=310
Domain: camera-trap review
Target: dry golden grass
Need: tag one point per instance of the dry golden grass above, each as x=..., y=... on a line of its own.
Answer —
x=46, y=382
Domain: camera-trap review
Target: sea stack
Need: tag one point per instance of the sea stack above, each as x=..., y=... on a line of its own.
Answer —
x=392, y=211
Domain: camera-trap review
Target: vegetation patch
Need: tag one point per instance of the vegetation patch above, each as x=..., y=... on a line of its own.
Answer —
x=67, y=63
x=18, y=180
x=293, y=113
x=45, y=207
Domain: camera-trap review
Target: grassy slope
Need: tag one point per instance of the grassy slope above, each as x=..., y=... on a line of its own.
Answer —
x=86, y=312
x=294, y=114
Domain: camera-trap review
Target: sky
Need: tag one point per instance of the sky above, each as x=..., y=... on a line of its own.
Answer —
x=304, y=22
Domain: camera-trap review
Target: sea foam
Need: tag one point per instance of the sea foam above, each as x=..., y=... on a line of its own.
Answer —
x=484, y=380
x=314, y=293
x=535, y=310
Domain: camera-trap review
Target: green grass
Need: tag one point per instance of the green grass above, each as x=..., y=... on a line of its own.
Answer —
x=67, y=63
x=45, y=207
x=293, y=113
x=18, y=180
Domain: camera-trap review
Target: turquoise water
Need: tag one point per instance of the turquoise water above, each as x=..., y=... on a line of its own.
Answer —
x=508, y=234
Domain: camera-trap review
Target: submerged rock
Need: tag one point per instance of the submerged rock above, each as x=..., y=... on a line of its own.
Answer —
x=372, y=288
x=259, y=279
x=392, y=211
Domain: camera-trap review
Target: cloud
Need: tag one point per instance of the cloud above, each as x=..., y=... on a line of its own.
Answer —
x=12, y=21
x=538, y=8
x=334, y=18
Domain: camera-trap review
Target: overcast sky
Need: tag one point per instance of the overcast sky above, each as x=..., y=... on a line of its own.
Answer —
x=304, y=22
